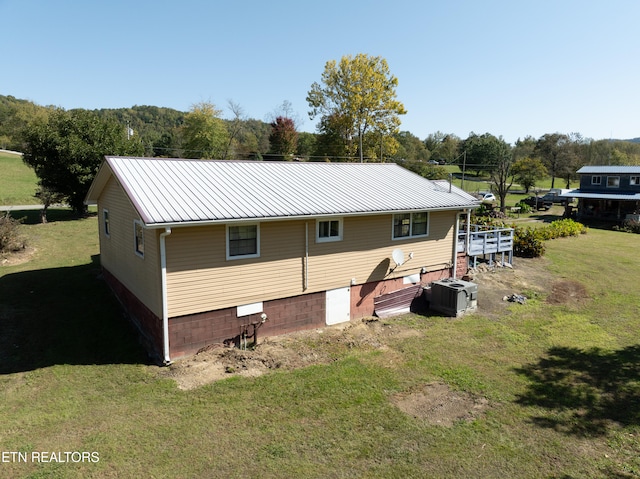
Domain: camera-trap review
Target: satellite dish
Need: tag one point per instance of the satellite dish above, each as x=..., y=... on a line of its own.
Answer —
x=398, y=256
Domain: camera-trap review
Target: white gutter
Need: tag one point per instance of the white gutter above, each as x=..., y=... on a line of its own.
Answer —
x=165, y=309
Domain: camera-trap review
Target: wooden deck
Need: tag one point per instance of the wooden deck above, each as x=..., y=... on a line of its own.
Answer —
x=487, y=242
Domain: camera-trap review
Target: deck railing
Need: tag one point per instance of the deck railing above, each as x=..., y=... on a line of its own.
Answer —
x=483, y=240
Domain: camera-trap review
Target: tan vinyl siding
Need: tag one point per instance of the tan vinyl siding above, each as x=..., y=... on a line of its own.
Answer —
x=365, y=252
x=117, y=251
x=200, y=278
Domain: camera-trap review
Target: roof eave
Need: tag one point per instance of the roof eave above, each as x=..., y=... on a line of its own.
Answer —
x=178, y=224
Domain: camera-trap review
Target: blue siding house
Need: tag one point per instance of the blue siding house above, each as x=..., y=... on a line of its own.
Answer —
x=609, y=193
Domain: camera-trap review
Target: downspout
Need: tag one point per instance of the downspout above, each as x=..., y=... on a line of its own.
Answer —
x=468, y=238
x=165, y=309
x=455, y=246
x=305, y=284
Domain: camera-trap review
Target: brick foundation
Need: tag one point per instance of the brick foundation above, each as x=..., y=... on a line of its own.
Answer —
x=189, y=334
x=148, y=324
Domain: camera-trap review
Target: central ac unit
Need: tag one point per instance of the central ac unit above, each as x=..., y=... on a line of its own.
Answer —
x=453, y=297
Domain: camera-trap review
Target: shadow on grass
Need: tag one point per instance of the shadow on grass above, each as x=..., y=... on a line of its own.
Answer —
x=62, y=316
x=586, y=391
x=32, y=217
x=547, y=217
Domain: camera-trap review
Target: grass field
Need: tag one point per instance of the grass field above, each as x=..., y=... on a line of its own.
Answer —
x=562, y=382
x=17, y=181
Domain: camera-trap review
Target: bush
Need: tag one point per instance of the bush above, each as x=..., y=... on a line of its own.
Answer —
x=10, y=238
x=528, y=242
x=524, y=208
x=629, y=226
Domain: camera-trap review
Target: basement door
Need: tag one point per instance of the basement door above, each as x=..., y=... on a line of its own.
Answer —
x=338, y=305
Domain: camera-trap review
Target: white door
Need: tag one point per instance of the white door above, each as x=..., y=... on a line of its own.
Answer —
x=338, y=305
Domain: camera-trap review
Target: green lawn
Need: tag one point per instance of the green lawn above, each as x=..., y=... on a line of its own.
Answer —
x=562, y=382
x=17, y=181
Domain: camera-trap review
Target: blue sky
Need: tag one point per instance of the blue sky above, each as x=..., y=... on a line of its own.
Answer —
x=510, y=68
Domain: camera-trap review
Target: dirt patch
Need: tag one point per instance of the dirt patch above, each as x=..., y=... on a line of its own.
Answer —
x=17, y=257
x=438, y=405
x=527, y=277
x=286, y=352
x=567, y=292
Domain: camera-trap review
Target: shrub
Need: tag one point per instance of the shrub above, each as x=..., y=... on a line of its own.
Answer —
x=497, y=214
x=10, y=238
x=528, y=242
x=563, y=228
x=630, y=226
x=524, y=208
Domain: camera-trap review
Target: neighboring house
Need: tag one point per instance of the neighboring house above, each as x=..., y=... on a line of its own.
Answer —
x=608, y=192
x=200, y=251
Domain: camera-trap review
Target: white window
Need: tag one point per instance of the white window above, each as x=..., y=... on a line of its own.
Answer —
x=243, y=241
x=328, y=230
x=138, y=230
x=596, y=180
x=635, y=180
x=408, y=225
x=613, y=182
x=105, y=222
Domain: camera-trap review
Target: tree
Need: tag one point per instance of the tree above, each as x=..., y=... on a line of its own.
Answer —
x=524, y=148
x=502, y=160
x=411, y=148
x=483, y=151
x=330, y=142
x=66, y=148
x=284, y=137
x=306, y=144
x=442, y=146
x=526, y=171
x=235, y=127
x=360, y=94
x=204, y=133
x=47, y=197
x=552, y=148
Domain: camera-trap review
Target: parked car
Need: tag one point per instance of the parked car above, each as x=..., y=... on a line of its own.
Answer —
x=486, y=197
x=554, y=196
x=432, y=162
x=538, y=202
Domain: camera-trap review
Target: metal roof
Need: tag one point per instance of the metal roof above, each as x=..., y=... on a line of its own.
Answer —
x=619, y=170
x=627, y=196
x=177, y=191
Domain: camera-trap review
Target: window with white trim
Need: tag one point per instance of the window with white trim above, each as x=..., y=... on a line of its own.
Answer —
x=613, y=182
x=138, y=235
x=409, y=225
x=634, y=180
x=596, y=180
x=328, y=230
x=105, y=223
x=243, y=241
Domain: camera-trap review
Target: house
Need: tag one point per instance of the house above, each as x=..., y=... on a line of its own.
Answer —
x=608, y=193
x=203, y=252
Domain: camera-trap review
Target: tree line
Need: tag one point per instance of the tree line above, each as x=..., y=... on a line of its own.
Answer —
x=359, y=120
